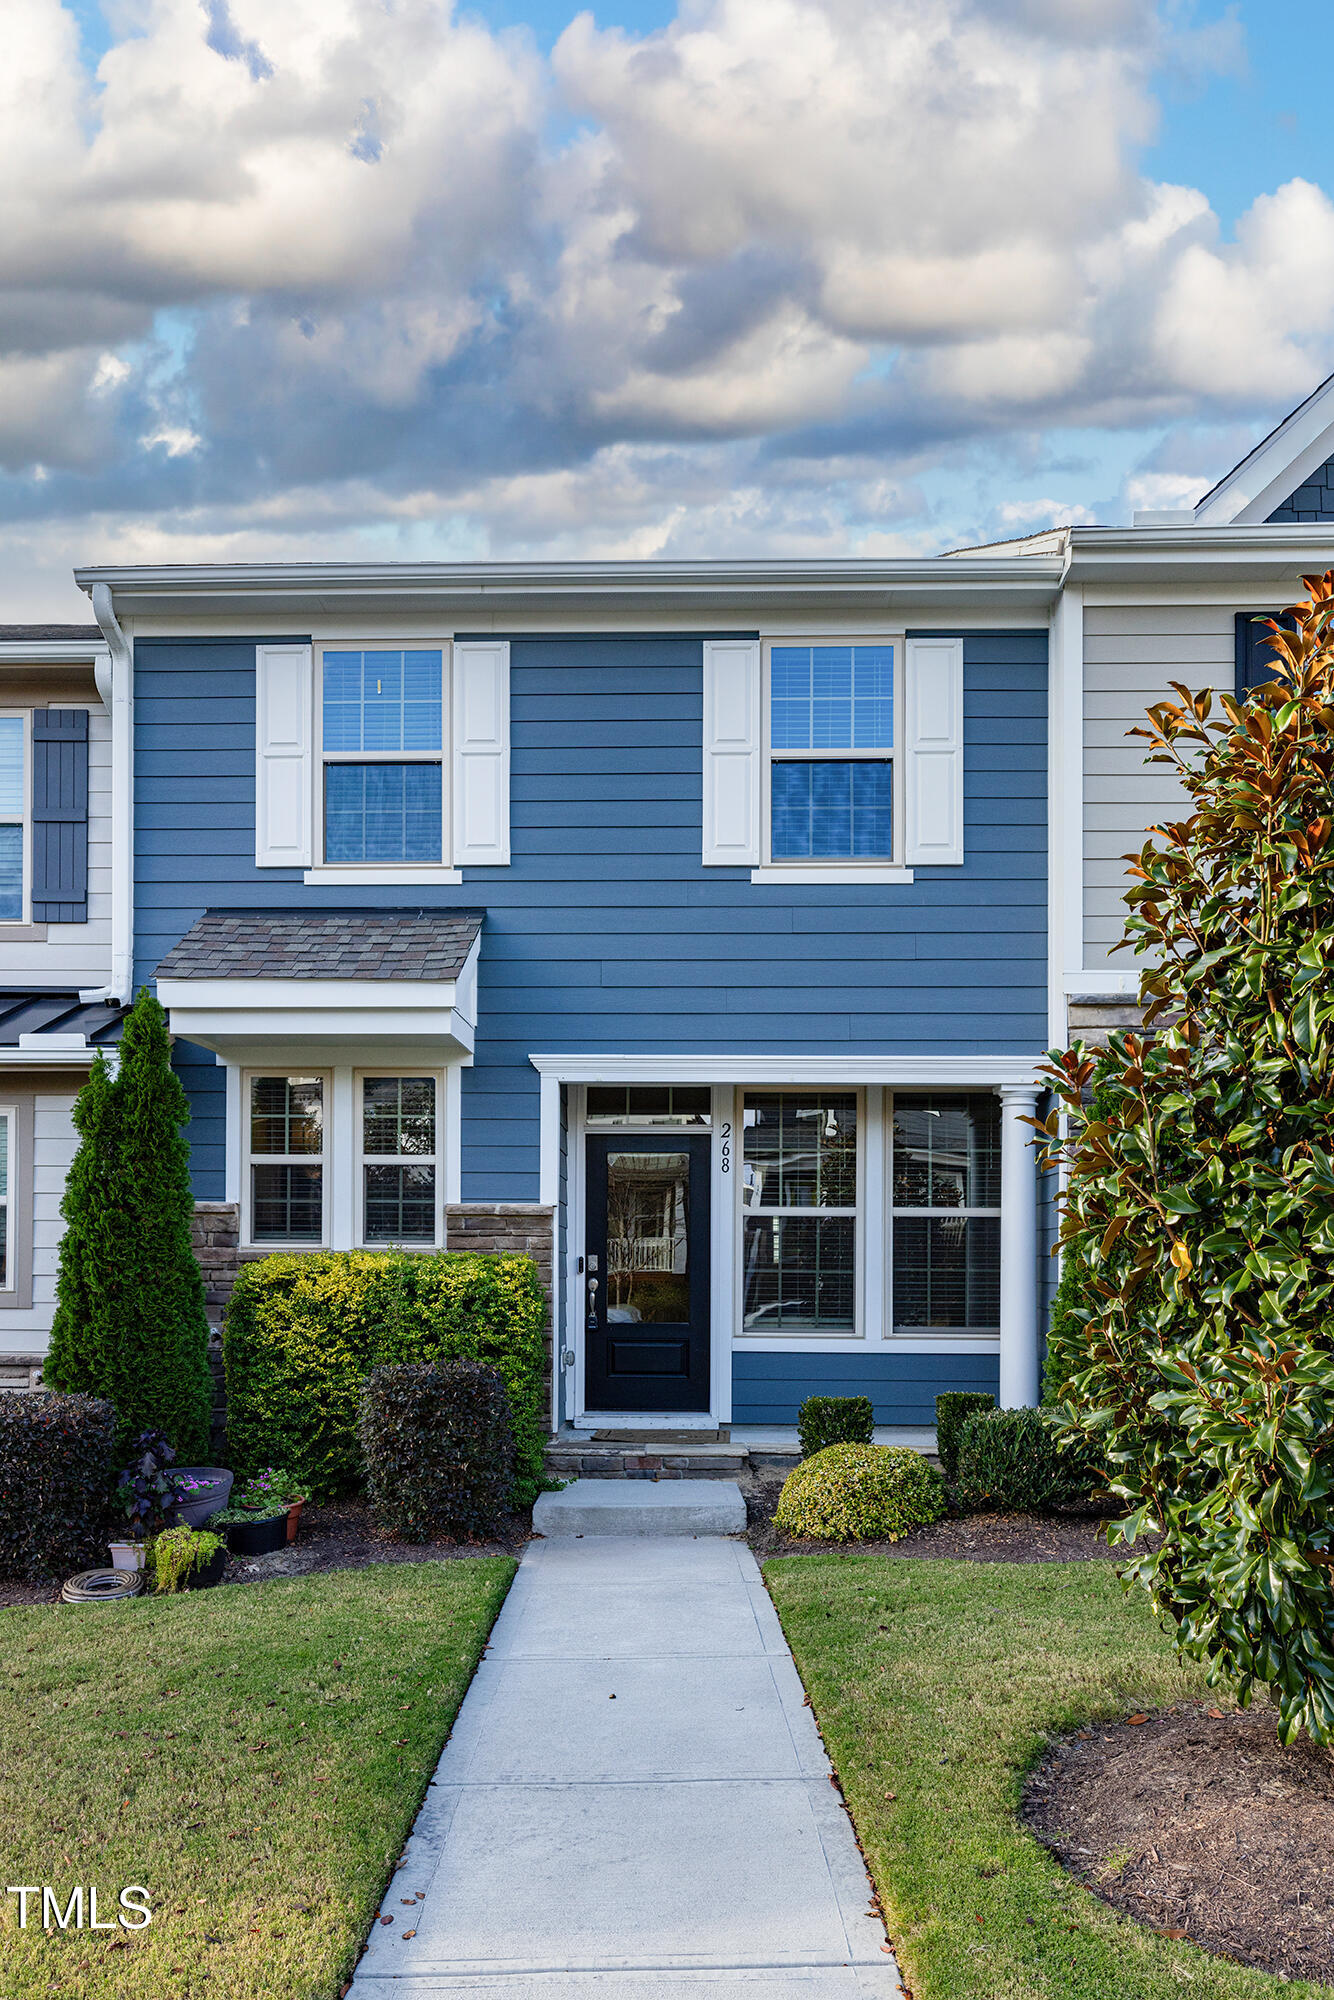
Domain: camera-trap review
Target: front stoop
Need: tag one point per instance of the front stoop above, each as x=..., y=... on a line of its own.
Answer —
x=590, y=1458
x=641, y=1507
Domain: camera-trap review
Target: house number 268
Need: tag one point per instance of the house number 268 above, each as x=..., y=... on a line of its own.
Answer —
x=725, y=1150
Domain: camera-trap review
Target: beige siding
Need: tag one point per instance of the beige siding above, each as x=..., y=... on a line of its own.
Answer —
x=25, y=1330
x=77, y=955
x=1131, y=654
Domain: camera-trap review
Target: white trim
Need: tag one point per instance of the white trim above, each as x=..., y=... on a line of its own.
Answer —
x=372, y=1019
x=1100, y=985
x=52, y=652
x=284, y=740
x=821, y=872
x=380, y=878
x=451, y=1112
x=1276, y=467
x=932, y=764
x=340, y=1175
x=548, y=1179
x=1066, y=836
x=724, y=1237
x=733, y=764
x=947, y=1072
x=9, y=1289
x=903, y=1343
x=33, y=1058
x=1018, y=1348
x=235, y=1133
x=874, y=1194
x=479, y=704
x=114, y=670
x=609, y=1420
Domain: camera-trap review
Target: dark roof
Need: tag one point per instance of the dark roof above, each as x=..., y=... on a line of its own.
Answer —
x=28, y=1013
x=330, y=944
x=93, y=633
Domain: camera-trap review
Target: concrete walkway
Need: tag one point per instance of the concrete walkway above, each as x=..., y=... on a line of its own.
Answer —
x=634, y=1801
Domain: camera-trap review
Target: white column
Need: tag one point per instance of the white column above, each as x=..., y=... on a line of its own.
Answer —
x=1018, y=1250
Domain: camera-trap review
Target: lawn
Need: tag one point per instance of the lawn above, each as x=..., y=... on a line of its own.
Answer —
x=253, y=1757
x=935, y=1684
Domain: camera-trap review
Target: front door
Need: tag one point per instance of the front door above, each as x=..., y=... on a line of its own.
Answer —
x=646, y=1274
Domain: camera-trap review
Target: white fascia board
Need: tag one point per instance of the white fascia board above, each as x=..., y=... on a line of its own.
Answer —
x=308, y=995
x=1098, y=985
x=33, y=1058
x=53, y=652
x=467, y=593
x=1277, y=465
x=952, y=1072
x=1215, y=556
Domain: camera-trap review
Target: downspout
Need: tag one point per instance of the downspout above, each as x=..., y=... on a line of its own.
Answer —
x=115, y=685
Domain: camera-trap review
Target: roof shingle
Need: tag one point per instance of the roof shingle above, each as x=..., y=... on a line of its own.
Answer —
x=327, y=944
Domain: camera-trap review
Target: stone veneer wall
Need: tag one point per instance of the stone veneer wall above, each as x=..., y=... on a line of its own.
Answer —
x=1092, y=1021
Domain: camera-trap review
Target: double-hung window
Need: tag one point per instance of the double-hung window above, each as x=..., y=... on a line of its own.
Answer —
x=831, y=786
x=382, y=757
x=285, y=1131
x=399, y=1166
x=799, y=1197
x=14, y=795
x=946, y=1183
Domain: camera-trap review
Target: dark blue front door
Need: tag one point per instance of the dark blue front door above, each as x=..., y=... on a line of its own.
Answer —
x=646, y=1274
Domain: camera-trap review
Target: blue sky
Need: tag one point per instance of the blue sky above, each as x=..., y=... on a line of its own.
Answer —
x=355, y=277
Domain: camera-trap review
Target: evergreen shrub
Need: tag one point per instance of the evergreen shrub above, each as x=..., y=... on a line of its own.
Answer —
x=304, y=1330
x=952, y=1406
x=130, y=1323
x=57, y=1467
x=826, y=1420
x=438, y=1449
x=859, y=1493
x=1202, y=1196
x=1021, y=1462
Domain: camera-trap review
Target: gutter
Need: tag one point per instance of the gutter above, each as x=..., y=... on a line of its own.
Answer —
x=115, y=685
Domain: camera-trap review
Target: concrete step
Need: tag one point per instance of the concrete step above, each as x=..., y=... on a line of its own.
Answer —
x=586, y=1458
x=642, y=1507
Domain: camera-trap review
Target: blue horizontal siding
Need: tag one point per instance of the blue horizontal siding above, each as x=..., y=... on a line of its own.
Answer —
x=770, y=1388
x=606, y=933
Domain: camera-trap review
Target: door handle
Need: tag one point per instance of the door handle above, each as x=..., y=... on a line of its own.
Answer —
x=592, y=1320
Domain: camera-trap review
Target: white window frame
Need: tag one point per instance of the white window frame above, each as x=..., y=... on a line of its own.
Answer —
x=802, y=1335
x=9, y=1116
x=831, y=870
x=22, y=818
x=373, y=872
x=893, y=1212
x=364, y=1159
x=271, y=1246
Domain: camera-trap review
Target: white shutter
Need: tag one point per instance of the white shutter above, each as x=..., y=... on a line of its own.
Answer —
x=481, y=752
x=283, y=682
x=732, y=753
x=933, y=751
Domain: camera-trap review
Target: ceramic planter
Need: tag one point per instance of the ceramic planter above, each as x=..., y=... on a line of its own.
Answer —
x=202, y=1506
x=293, y=1517
x=128, y=1555
x=259, y=1537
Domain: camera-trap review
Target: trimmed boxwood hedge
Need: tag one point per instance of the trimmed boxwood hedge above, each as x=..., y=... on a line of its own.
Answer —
x=952, y=1406
x=57, y=1467
x=304, y=1329
x=859, y=1493
x=438, y=1449
x=1020, y=1462
x=826, y=1420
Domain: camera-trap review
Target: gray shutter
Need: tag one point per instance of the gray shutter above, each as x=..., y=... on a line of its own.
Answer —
x=60, y=816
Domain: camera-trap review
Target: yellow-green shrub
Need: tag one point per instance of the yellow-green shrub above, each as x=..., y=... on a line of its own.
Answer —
x=304, y=1329
x=859, y=1493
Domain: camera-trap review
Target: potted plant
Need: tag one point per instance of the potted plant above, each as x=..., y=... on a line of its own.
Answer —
x=201, y=1492
x=256, y=1519
x=188, y=1559
x=147, y=1495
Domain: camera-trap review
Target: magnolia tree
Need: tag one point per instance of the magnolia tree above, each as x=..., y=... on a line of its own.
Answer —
x=1200, y=1195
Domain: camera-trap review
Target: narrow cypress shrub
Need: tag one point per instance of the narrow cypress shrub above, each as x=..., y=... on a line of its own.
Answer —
x=130, y=1322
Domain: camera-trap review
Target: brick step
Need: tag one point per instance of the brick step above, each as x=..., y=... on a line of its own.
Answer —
x=585, y=1458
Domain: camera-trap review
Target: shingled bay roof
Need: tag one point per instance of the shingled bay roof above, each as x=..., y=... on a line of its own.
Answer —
x=329, y=944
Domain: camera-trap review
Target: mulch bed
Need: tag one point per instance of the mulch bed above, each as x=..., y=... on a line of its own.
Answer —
x=339, y=1536
x=1196, y=1822
x=1072, y=1537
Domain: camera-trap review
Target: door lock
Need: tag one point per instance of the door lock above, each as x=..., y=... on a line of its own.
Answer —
x=592, y=1321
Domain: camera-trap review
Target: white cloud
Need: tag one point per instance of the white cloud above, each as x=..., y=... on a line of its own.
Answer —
x=298, y=274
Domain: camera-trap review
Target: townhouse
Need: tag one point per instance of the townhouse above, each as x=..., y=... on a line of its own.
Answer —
x=699, y=927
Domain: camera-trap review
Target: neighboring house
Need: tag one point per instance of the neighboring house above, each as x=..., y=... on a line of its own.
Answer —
x=699, y=927
x=62, y=924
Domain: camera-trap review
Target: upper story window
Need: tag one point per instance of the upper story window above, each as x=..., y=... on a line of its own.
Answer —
x=383, y=732
x=831, y=792
x=14, y=796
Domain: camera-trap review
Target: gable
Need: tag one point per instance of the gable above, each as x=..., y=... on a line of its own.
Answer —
x=1313, y=500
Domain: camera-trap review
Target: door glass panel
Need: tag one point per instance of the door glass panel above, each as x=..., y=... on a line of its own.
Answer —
x=648, y=1238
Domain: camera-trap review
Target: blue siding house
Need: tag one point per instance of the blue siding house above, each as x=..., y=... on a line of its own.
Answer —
x=687, y=923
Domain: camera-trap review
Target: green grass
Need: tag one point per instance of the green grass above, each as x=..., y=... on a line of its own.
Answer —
x=935, y=1685
x=254, y=1757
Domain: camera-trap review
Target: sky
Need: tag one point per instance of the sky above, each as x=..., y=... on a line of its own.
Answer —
x=399, y=279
